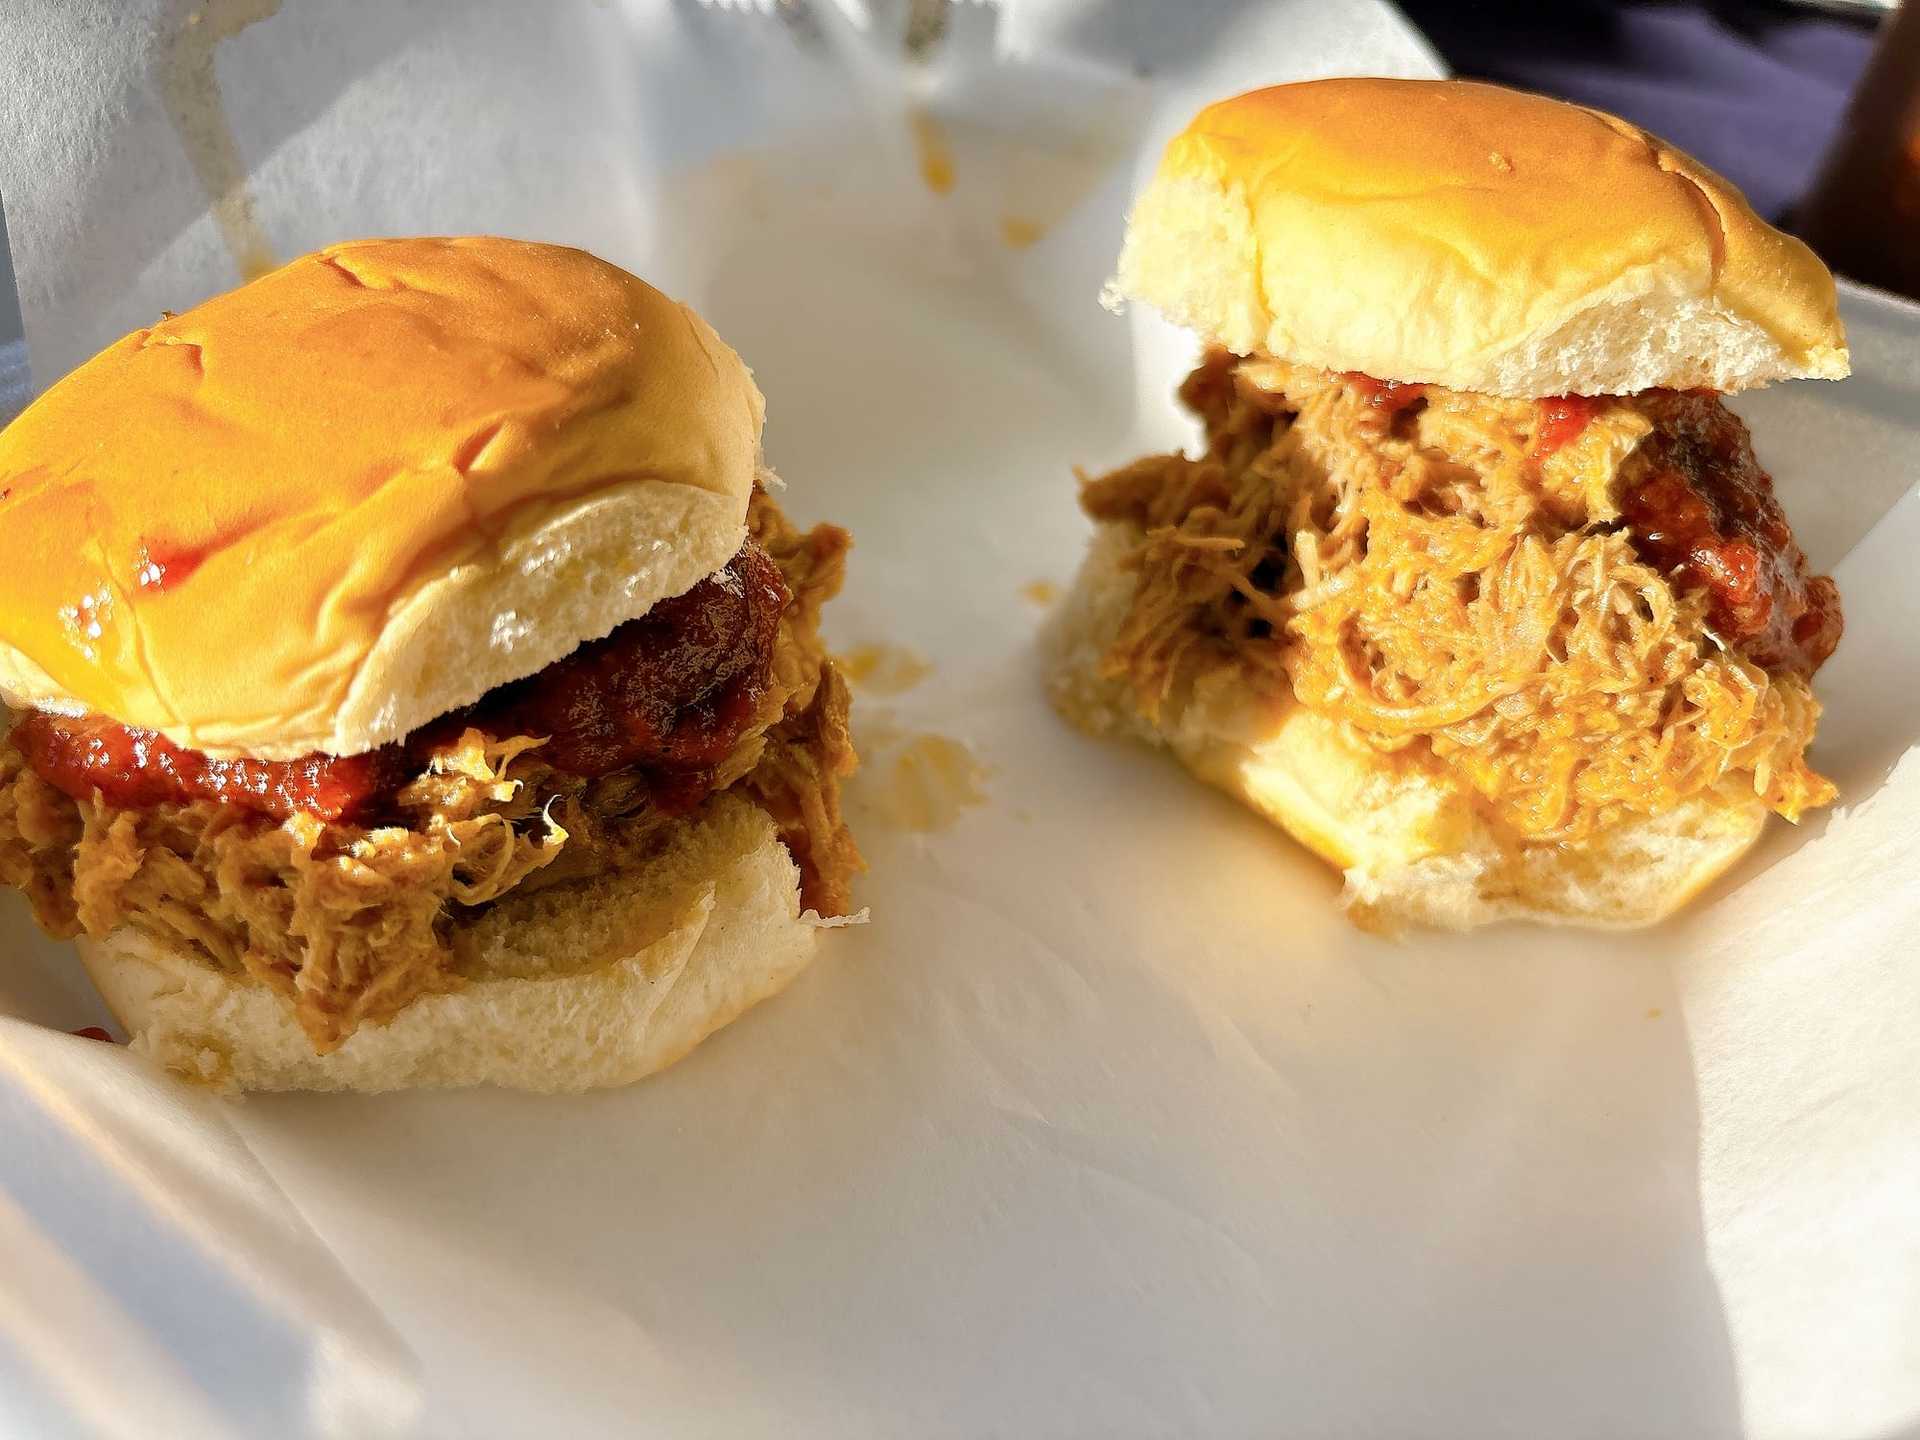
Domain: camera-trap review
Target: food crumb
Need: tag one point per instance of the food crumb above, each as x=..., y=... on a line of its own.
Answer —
x=1655, y=1013
x=1500, y=162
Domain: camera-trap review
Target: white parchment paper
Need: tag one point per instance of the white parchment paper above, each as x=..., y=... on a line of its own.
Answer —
x=1108, y=1124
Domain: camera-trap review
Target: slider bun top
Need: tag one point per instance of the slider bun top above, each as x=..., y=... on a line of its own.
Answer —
x=1471, y=237
x=325, y=508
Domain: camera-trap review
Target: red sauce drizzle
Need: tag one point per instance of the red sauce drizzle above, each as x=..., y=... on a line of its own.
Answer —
x=669, y=693
x=1562, y=418
x=136, y=769
x=158, y=566
x=1388, y=396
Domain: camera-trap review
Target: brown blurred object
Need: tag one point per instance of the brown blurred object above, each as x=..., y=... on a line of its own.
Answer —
x=1863, y=212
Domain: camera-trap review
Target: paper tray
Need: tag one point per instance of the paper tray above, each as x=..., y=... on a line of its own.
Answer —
x=1108, y=1123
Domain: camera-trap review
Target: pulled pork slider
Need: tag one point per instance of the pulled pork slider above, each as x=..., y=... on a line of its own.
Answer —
x=1477, y=588
x=413, y=681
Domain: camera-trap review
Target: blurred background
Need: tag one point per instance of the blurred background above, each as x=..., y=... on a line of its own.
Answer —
x=1756, y=90
x=1811, y=106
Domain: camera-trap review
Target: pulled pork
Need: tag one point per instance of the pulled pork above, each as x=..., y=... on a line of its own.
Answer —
x=352, y=922
x=1590, y=609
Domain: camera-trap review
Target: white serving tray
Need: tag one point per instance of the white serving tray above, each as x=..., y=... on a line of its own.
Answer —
x=1107, y=1124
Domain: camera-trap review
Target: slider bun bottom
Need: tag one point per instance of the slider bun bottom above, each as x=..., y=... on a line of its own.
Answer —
x=570, y=988
x=1414, y=848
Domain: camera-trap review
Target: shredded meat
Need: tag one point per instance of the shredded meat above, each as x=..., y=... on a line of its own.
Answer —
x=796, y=778
x=352, y=922
x=1459, y=576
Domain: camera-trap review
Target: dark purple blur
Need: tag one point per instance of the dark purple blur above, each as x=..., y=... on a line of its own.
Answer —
x=1756, y=91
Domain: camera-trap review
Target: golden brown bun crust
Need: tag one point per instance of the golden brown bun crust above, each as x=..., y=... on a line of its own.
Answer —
x=1411, y=843
x=1472, y=237
x=320, y=510
x=566, y=989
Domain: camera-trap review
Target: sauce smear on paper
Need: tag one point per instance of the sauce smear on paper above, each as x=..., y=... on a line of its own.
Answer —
x=936, y=155
x=883, y=669
x=190, y=94
x=915, y=780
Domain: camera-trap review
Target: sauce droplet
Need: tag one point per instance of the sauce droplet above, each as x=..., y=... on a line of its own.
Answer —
x=936, y=155
x=1040, y=592
x=1019, y=232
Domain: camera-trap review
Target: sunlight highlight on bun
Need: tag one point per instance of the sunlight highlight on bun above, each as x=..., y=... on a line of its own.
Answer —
x=1474, y=237
x=416, y=469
